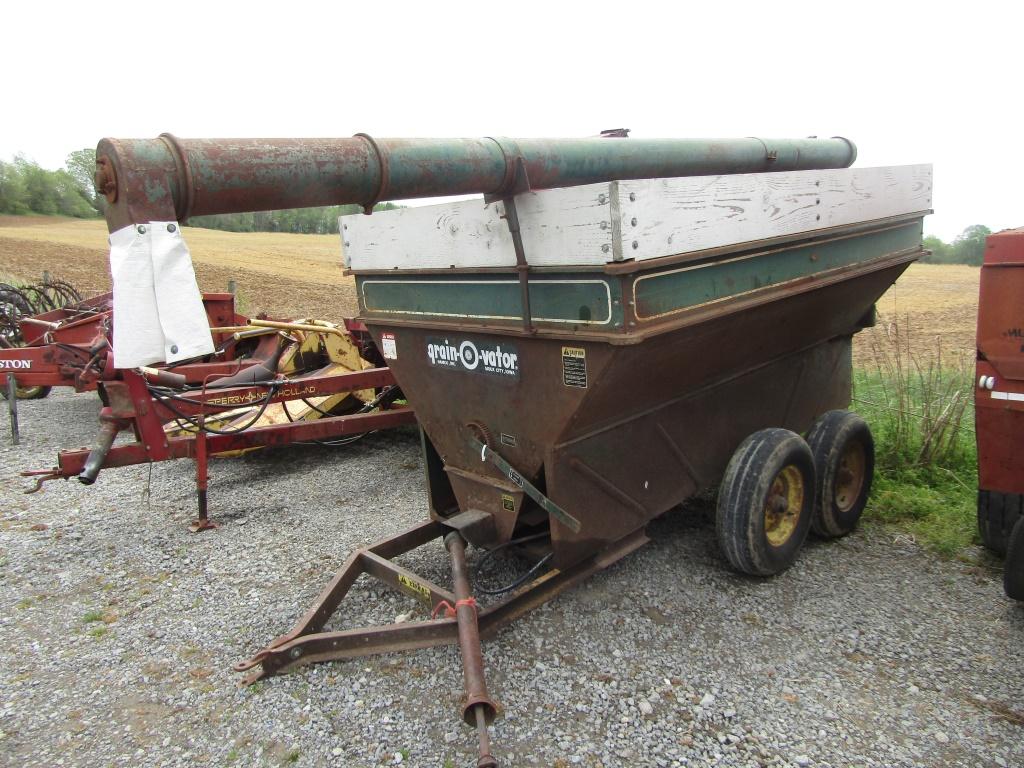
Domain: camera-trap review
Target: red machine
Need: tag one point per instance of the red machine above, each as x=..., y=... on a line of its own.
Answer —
x=67, y=347
x=999, y=404
x=235, y=401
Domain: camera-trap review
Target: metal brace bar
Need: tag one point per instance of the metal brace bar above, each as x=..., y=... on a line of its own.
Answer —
x=520, y=184
x=489, y=454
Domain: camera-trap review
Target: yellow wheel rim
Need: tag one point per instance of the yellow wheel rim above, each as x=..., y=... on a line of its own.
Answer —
x=850, y=477
x=784, y=505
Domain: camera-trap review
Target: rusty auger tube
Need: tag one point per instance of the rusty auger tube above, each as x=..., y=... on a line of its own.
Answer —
x=171, y=179
x=479, y=709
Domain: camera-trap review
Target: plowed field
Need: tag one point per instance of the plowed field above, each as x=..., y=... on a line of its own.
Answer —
x=281, y=274
x=300, y=276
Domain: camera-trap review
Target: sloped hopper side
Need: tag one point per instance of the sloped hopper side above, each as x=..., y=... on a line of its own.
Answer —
x=621, y=424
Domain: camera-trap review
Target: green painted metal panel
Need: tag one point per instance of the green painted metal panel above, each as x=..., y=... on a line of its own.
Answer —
x=674, y=290
x=568, y=300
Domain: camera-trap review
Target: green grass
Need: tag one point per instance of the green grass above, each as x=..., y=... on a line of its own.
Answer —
x=91, y=616
x=921, y=413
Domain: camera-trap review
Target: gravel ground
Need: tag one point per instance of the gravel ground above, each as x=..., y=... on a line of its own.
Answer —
x=118, y=629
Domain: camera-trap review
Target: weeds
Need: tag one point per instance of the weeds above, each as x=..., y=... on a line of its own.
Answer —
x=91, y=616
x=918, y=402
x=921, y=399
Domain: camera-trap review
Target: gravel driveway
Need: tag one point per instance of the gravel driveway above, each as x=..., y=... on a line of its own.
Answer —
x=118, y=629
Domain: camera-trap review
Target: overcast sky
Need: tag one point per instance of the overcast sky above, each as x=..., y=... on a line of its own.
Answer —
x=908, y=82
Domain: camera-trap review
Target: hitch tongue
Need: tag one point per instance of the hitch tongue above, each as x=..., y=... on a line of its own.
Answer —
x=109, y=427
x=479, y=709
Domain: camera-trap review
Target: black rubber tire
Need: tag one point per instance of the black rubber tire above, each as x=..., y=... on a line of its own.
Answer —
x=837, y=437
x=997, y=515
x=744, y=496
x=1013, y=569
x=33, y=393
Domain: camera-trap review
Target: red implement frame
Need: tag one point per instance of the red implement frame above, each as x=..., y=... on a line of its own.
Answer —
x=69, y=347
x=131, y=404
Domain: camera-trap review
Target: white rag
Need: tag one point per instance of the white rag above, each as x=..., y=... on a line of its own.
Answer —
x=158, y=310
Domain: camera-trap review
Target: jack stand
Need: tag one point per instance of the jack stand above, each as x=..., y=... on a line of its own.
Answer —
x=203, y=522
x=12, y=406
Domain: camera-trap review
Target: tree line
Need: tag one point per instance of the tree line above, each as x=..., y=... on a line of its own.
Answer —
x=25, y=187
x=967, y=248
x=304, y=221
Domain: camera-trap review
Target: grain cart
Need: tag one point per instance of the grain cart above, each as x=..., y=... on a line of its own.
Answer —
x=617, y=325
x=999, y=404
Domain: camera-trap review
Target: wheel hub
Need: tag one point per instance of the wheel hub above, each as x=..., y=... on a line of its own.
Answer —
x=850, y=477
x=785, y=502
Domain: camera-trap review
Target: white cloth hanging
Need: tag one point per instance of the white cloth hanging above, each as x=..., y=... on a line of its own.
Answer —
x=158, y=310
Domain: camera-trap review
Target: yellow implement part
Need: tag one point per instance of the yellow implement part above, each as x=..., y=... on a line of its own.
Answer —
x=317, y=343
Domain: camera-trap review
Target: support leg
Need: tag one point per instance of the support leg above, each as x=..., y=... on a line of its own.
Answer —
x=12, y=407
x=203, y=522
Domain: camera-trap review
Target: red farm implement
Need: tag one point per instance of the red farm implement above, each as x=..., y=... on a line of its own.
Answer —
x=999, y=404
x=270, y=383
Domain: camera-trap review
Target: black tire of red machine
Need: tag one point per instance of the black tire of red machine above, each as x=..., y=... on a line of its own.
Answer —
x=26, y=393
x=844, y=462
x=765, y=502
x=997, y=515
x=1013, y=568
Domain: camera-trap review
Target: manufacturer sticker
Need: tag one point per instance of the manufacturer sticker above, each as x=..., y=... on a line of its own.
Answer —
x=250, y=397
x=415, y=587
x=508, y=503
x=509, y=440
x=490, y=358
x=388, y=348
x=15, y=365
x=574, y=367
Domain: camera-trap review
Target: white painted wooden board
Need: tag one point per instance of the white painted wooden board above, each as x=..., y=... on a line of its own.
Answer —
x=559, y=226
x=645, y=219
x=690, y=214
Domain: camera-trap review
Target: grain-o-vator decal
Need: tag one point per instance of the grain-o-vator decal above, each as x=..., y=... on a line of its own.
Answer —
x=476, y=357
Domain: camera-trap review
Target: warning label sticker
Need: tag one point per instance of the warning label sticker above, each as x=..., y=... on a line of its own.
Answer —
x=508, y=503
x=388, y=348
x=574, y=367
